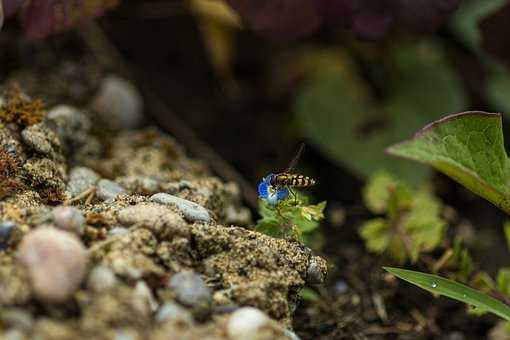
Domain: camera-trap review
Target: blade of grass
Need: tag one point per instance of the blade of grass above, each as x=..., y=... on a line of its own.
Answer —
x=439, y=285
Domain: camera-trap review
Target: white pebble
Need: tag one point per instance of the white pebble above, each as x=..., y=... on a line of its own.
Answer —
x=101, y=278
x=246, y=322
x=56, y=261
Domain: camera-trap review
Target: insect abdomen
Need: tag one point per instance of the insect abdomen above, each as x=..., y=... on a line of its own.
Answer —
x=298, y=181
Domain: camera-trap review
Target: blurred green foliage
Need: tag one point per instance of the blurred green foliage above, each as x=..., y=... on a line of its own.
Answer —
x=341, y=115
x=410, y=223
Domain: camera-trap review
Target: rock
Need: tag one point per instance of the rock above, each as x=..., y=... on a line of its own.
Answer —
x=107, y=190
x=40, y=138
x=81, y=179
x=69, y=219
x=175, y=313
x=190, y=289
x=71, y=124
x=56, y=261
x=120, y=101
x=315, y=273
x=290, y=334
x=340, y=287
x=16, y=318
x=143, y=299
x=246, y=323
x=118, y=231
x=139, y=184
x=153, y=216
x=6, y=228
x=101, y=278
x=191, y=211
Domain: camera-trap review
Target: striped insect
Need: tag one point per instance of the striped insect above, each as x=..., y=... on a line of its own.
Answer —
x=276, y=187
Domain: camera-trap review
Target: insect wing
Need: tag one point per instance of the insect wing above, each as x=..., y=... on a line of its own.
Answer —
x=295, y=160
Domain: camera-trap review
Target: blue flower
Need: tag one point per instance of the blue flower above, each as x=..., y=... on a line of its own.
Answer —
x=271, y=193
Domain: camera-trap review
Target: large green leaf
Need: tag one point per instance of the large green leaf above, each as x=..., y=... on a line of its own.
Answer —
x=349, y=125
x=469, y=148
x=439, y=285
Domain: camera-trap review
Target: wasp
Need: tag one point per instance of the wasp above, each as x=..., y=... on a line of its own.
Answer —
x=288, y=178
x=276, y=187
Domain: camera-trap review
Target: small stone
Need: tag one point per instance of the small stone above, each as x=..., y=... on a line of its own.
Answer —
x=246, y=322
x=40, y=138
x=6, y=228
x=190, y=289
x=191, y=211
x=151, y=215
x=175, y=313
x=340, y=287
x=81, y=179
x=69, y=219
x=316, y=271
x=101, y=278
x=71, y=124
x=16, y=318
x=143, y=298
x=290, y=334
x=118, y=231
x=107, y=190
x=56, y=261
x=139, y=184
x=120, y=101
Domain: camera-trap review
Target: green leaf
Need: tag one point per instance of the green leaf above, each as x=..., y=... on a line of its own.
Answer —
x=467, y=147
x=376, y=193
x=349, y=125
x=412, y=222
x=288, y=216
x=503, y=281
x=376, y=235
x=439, y=285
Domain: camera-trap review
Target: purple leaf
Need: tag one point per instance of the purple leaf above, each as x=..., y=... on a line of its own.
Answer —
x=43, y=17
x=279, y=19
x=367, y=19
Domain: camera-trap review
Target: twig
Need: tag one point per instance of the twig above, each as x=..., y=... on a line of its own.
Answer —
x=80, y=196
x=442, y=260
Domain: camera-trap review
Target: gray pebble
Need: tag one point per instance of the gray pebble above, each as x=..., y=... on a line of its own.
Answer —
x=191, y=211
x=16, y=318
x=101, y=278
x=290, y=334
x=39, y=138
x=81, y=179
x=315, y=273
x=13, y=334
x=6, y=228
x=56, y=262
x=107, y=190
x=190, y=289
x=120, y=101
x=174, y=312
x=69, y=219
x=340, y=287
x=71, y=124
x=139, y=184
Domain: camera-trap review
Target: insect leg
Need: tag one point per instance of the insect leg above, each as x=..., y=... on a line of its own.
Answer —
x=293, y=194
